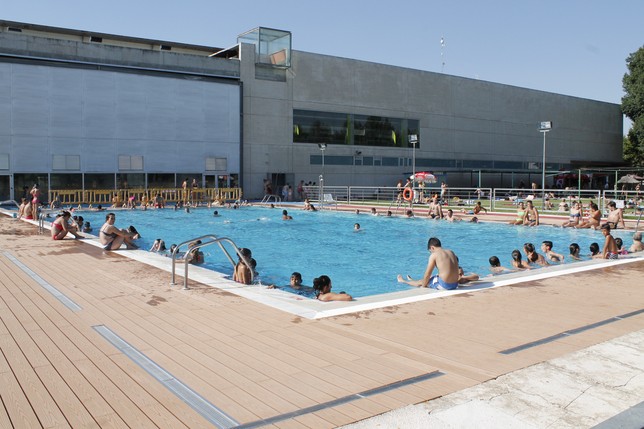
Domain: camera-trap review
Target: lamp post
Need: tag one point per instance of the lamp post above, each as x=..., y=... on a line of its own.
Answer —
x=322, y=147
x=413, y=140
x=544, y=127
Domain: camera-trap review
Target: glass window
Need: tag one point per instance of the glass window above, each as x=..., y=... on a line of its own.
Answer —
x=130, y=180
x=377, y=131
x=66, y=181
x=130, y=162
x=216, y=164
x=24, y=182
x=161, y=180
x=516, y=165
x=433, y=162
x=361, y=130
x=320, y=127
x=389, y=161
x=99, y=181
x=271, y=46
x=65, y=162
x=467, y=163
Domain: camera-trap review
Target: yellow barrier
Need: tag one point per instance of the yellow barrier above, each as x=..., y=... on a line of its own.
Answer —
x=138, y=196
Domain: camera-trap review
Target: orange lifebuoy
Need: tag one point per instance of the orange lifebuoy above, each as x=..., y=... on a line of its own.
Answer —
x=408, y=194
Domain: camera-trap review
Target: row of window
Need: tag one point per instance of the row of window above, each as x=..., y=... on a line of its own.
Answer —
x=125, y=163
x=349, y=129
x=429, y=163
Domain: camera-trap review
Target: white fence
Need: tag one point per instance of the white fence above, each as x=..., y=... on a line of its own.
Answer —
x=496, y=199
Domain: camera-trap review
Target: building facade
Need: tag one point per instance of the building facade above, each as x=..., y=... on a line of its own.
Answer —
x=89, y=110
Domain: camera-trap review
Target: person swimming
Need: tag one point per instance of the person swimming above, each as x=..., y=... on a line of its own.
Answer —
x=322, y=286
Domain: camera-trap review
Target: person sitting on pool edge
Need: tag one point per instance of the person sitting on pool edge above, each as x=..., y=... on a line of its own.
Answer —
x=609, y=251
x=322, y=286
x=447, y=264
x=637, y=245
x=615, y=218
x=112, y=237
x=60, y=227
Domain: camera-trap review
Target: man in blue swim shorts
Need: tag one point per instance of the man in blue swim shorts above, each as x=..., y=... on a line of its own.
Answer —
x=447, y=264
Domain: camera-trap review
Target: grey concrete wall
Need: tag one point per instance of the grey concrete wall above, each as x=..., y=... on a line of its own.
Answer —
x=29, y=45
x=460, y=118
x=173, y=123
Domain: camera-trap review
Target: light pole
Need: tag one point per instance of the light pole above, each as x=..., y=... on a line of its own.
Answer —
x=413, y=139
x=544, y=127
x=322, y=147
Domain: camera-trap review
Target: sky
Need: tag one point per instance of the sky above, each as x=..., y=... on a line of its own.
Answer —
x=571, y=47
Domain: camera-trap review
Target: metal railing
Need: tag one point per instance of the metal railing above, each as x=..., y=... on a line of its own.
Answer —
x=120, y=197
x=557, y=201
x=14, y=202
x=268, y=197
x=213, y=239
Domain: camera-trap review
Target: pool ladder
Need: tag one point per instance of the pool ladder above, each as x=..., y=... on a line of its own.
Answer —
x=206, y=241
x=268, y=197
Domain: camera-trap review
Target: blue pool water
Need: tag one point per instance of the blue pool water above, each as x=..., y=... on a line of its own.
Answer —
x=361, y=263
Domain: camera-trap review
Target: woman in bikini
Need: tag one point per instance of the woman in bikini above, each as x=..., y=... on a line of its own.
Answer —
x=520, y=215
x=531, y=215
x=575, y=215
x=111, y=237
x=593, y=219
x=60, y=227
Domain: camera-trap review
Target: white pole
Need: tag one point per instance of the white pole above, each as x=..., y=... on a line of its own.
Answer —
x=543, y=174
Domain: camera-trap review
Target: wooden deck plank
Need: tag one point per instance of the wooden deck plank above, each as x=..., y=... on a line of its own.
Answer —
x=314, y=421
x=18, y=409
x=48, y=413
x=122, y=403
x=72, y=408
x=163, y=397
x=5, y=421
x=255, y=362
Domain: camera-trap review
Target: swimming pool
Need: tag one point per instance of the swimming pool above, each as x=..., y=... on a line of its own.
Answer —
x=362, y=263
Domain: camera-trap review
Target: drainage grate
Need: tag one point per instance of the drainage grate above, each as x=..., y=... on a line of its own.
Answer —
x=67, y=302
x=340, y=401
x=570, y=332
x=197, y=402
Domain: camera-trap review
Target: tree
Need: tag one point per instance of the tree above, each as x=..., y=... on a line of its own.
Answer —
x=633, y=150
x=633, y=107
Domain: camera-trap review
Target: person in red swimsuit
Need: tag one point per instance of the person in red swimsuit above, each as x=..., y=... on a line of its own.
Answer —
x=60, y=227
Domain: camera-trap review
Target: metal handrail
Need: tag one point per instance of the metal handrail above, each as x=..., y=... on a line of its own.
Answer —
x=268, y=197
x=10, y=201
x=213, y=239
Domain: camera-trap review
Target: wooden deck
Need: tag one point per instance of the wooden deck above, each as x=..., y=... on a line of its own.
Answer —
x=257, y=365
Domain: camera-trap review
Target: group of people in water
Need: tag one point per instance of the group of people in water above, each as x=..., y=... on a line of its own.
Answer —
x=449, y=276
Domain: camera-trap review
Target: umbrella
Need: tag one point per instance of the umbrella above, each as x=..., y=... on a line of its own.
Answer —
x=628, y=179
x=423, y=176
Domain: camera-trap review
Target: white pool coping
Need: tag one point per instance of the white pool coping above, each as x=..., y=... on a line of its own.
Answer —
x=313, y=309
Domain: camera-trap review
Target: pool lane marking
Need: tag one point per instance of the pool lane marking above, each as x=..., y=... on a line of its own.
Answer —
x=65, y=300
x=197, y=402
x=340, y=401
x=570, y=332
